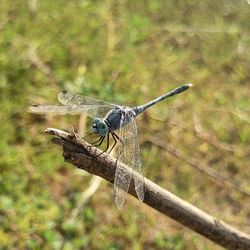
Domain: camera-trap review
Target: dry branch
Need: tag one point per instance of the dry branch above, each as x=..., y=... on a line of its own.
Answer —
x=215, y=176
x=77, y=152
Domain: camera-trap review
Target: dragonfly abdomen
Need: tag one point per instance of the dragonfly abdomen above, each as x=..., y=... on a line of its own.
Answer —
x=139, y=109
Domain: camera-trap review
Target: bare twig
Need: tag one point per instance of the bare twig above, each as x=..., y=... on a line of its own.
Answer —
x=199, y=132
x=38, y=63
x=214, y=175
x=208, y=29
x=208, y=137
x=77, y=152
x=33, y=6
x=86, y=195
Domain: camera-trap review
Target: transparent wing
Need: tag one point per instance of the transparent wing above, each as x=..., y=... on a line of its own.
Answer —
x=68, y=98
x=91, y=110
x=129, y=154
x=93, y=107
x=136, y=162
x=122, y=178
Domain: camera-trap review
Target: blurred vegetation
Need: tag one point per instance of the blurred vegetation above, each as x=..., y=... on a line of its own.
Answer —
x=124, y=52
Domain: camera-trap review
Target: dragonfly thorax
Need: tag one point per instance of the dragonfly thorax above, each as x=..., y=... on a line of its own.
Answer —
x=99, y=126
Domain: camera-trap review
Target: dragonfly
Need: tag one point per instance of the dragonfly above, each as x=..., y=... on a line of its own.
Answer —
x=118, y=122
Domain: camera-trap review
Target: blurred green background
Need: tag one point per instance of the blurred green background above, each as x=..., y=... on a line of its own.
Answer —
x=196, y=145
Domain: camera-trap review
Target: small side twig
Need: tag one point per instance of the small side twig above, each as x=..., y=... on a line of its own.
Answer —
x=94, y=185
x=214, y=175
x=77, y=152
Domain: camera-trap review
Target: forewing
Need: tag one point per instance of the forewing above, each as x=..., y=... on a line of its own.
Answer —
x=68, y=98
x=129, y=154
x=93, y=107
x=73, y=104
x=92, y=111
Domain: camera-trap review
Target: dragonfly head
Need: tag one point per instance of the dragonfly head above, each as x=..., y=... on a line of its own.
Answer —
x=99, y=127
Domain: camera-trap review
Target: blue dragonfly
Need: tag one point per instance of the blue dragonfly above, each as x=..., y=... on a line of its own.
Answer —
x=108, y=119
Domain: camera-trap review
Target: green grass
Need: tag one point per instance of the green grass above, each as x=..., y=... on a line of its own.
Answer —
x=124, y=52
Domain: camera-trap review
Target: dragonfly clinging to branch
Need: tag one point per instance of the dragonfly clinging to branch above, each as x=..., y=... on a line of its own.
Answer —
x=108, y=119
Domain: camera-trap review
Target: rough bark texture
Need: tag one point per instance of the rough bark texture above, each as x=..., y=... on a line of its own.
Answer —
x=77, y=152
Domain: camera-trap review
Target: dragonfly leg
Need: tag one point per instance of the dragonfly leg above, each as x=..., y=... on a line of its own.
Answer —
x=113, y=144
x=88, y=134
x=107, y=147
x=118, y=138
x=115, y=137
x=100, y=140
